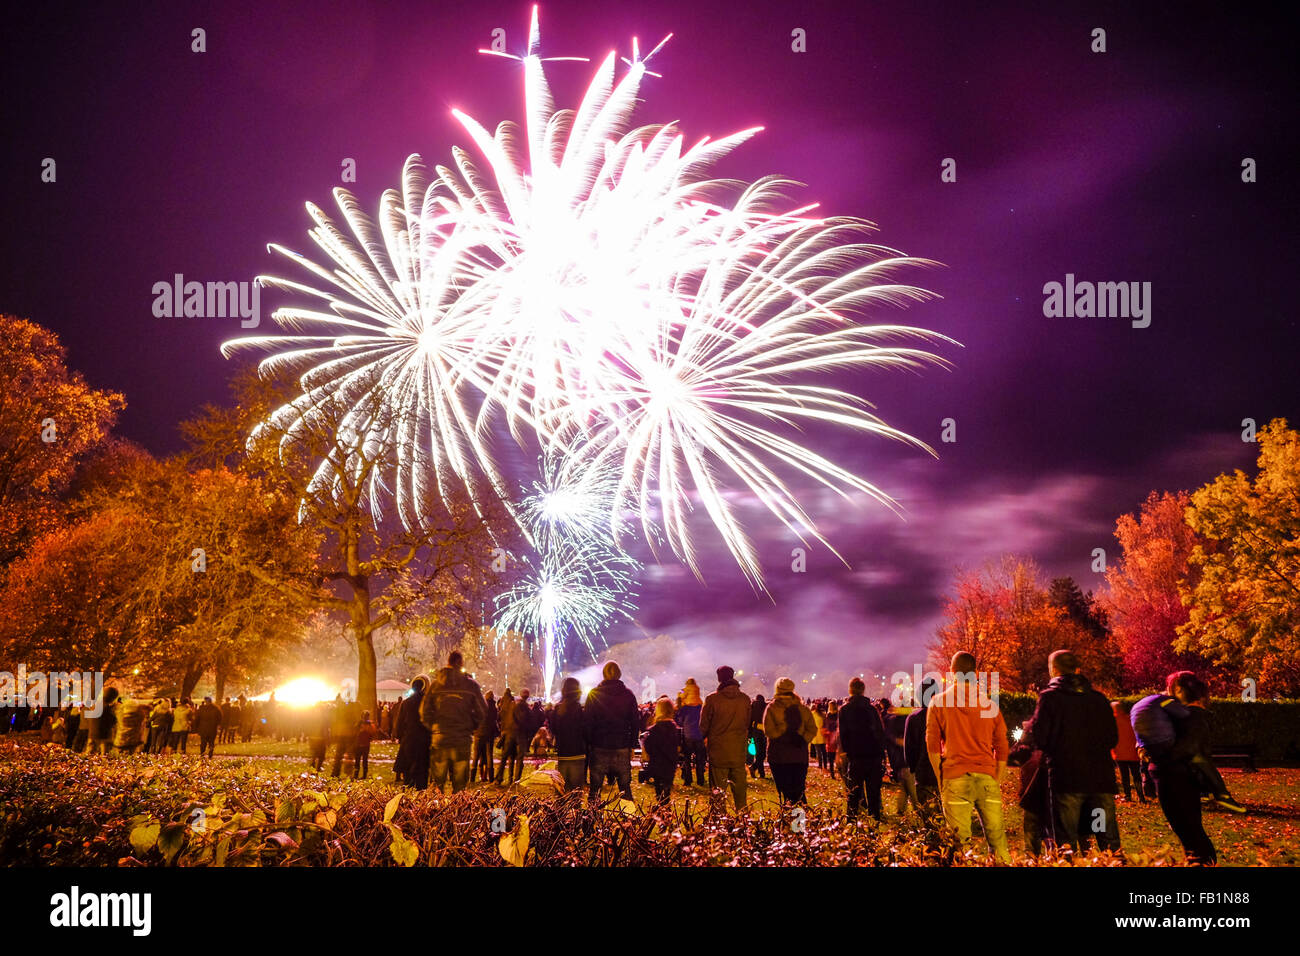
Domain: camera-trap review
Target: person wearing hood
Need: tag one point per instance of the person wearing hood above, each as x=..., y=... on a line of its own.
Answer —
x=756, y=713
x=612, y=720
x=724, y=722
x=790, y=727
x=1074, y=728
x=412, y=764
x=662, y=742
x=688, y=719
x=570, y=735
x=452, y=710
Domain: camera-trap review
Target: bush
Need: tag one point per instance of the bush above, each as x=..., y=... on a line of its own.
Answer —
x=68, y=809
x=1273, y=727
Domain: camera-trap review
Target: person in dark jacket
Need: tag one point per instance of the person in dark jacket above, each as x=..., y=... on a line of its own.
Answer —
x=207, y=721
x=570, y=735
x=759, y=758
x=662, y=744
x=452, y=710
x=862, y=741
x=366, y=732
x=1075, y=730
x=914, y=752
x=517, y=737
x=412, y=764
x=102, y=727
x=480, y=767
x=1178, y=787
x=612, y=721
x=724, y=722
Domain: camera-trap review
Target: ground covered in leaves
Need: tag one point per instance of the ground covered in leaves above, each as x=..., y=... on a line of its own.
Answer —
x=260, y=804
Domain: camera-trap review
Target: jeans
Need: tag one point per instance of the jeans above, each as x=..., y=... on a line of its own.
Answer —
x=178, y=740
x=573, y=770
x=522, y=743
x=509, y=753
x=618, y=762
x=448, y=761
x=693, y=753
x=734, y=779
x=980, y=792
x=791, y=781
x=1130, y=777
x=480, y=767
x=207, y=743
x=361, y=760
x=342, y=747
x=863, y=776
x=1073, y=809
x=1179, y=793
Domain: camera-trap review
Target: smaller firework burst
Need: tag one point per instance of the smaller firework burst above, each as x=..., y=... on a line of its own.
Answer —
x=577, y=582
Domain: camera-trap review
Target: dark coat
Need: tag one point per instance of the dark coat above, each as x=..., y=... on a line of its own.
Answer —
x=914, y=752
x=567, y=725
x=611, y=716
x=1075, y=729
x=208, y=719
x=662, y=742
x=452, y=709
x=862, y=734
x=412, y=738
x=491, y=727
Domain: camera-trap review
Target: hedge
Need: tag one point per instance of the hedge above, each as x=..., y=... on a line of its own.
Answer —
x=63, y=808
x=1272, y=727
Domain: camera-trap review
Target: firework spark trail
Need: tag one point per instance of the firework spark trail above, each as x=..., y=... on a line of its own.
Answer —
x=594, y=290
x=577, y=583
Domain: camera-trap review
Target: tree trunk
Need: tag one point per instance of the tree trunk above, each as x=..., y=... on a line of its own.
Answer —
x=193, y=674
x=367, y=696
x=223, y=671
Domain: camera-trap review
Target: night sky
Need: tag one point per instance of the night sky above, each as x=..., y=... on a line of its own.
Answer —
x=1115, y=166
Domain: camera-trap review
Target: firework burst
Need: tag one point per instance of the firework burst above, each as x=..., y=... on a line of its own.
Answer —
x=592, y=290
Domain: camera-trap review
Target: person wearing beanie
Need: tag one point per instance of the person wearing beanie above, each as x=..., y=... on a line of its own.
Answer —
x=790, y=728
x=688, y=719
x=662, y=744
x=612, y=720
x=570, y=735
x=724, y=722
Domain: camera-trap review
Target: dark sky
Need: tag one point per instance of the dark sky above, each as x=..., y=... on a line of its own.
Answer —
x=1122, y=166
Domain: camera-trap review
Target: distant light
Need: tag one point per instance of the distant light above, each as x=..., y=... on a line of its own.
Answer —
x=303, y=692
